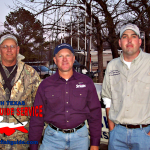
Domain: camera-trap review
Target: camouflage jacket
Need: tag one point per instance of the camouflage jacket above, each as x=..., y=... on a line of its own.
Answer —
x=22, y=95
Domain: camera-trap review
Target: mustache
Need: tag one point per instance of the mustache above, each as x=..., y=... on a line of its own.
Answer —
x=129, y=44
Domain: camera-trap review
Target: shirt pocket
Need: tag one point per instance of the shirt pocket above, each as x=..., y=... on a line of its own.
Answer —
x=78, y=100
x=54, y=101
x=142, y=90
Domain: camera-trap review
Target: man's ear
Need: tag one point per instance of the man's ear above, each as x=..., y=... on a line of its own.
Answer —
x=140, y=42
x=18, y=48
x=54, y=59
x=119, y=42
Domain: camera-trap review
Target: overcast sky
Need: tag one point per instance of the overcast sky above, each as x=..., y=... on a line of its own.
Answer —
x=4, y=11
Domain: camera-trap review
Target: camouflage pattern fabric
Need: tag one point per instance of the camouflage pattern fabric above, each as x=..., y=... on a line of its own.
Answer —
x=24, y=89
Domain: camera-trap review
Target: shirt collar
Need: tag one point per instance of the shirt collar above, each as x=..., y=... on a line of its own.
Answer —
x=74, y=76
x=136, y=60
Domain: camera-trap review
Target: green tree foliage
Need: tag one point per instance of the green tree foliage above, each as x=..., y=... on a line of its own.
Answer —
x=28, y=31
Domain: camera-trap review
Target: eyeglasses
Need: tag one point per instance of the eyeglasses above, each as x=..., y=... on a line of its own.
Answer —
x=5, y=47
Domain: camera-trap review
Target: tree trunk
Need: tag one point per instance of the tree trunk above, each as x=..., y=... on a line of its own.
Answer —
x=147, y=43
x=100, y=63
x=114, y=50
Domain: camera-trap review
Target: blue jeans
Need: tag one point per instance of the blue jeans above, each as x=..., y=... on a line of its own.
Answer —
x=122, y=138
x=57, y=140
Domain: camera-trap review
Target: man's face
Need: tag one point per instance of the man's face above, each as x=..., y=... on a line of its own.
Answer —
x=130, y=44
x=9, y=51
x=64, y=60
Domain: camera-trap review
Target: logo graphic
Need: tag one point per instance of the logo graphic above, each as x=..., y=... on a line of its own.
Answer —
x=63, y=45
x=10, y=128
x=114, y=72
x=80, y=85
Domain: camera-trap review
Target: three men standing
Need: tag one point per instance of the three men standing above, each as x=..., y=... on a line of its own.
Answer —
x=69, y=98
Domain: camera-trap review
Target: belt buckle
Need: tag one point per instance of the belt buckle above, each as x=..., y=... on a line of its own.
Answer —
x=72, y=130
x=64, y=130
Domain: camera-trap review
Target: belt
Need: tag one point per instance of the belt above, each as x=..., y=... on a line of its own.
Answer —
x=130, y=126
x=67, y=130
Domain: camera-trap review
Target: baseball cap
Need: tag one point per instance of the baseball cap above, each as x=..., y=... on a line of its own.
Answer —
x=8, y=36
x=63, y=46
x=130, y=27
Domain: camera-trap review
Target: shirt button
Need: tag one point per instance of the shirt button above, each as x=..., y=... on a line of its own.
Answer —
x=67, y=121
x=66, y=82
x=67, y=111
x=127, y=95
x=80, y=94
x=66, y=92
x=67, y=102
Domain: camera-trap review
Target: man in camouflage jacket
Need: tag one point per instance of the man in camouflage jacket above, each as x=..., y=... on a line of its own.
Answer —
x=24, y=86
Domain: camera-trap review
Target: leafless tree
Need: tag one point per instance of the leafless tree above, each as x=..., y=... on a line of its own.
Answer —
x=140, y=12
x=65, y=20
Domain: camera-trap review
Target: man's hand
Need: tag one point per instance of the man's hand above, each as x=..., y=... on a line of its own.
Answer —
x=149, y=133
x=110, y=123
x=94, y=148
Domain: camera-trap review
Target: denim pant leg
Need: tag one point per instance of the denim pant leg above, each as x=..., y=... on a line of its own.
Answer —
x=140, y=139
x=57, y=140
x=80, y=139
x=118, y=138
x=52, y=140
x=122, y=138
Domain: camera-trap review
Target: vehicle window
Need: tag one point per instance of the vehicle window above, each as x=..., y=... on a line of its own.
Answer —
x=43, y=68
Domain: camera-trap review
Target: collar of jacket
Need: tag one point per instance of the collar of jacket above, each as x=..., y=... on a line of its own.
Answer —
x=20, y=66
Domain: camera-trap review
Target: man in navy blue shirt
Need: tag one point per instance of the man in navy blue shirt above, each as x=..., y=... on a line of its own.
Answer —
x=68, y=99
